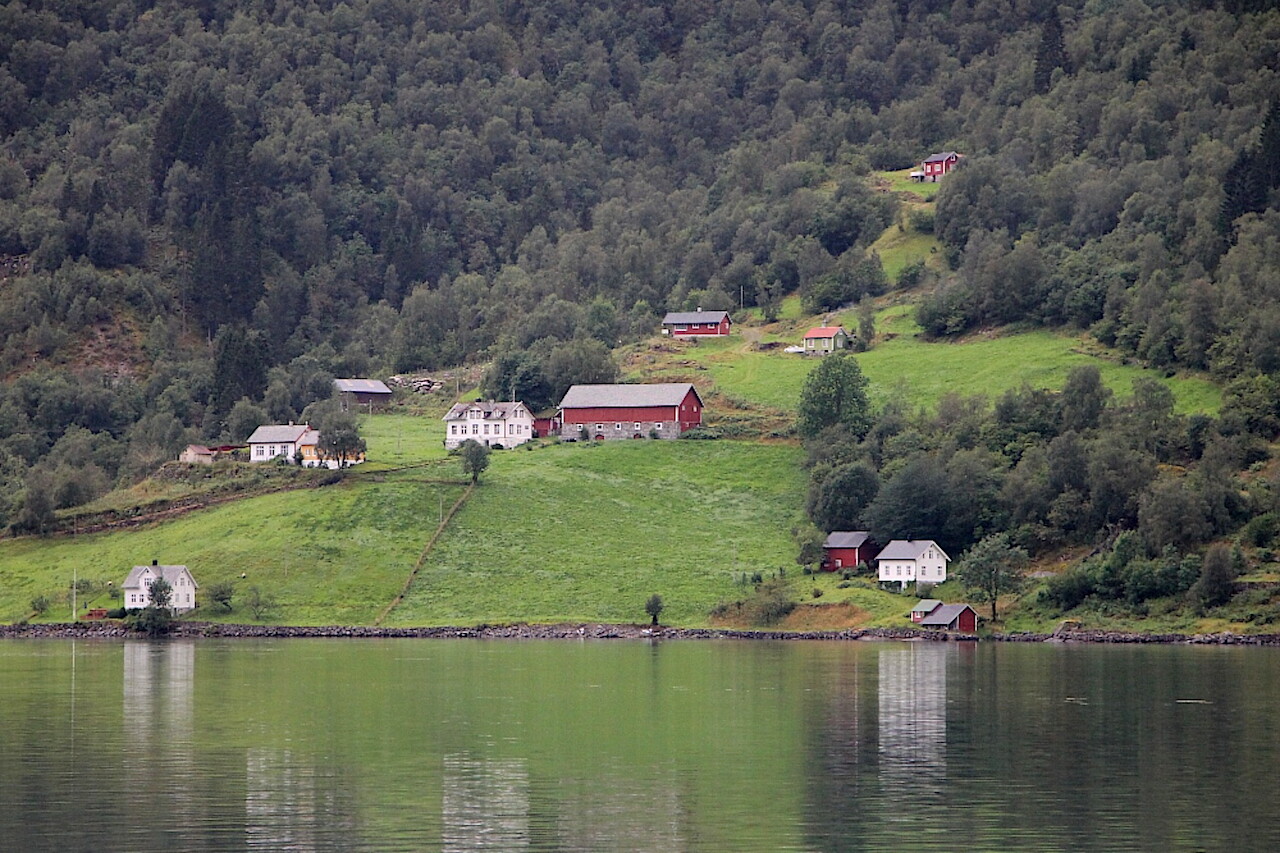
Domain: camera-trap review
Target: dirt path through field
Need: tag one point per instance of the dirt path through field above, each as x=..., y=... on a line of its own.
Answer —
x=422, y=558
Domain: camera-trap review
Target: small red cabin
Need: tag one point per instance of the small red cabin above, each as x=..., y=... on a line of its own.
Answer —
x=952, y=617
x=845, y=549
x=696, y=324
x=937, y=165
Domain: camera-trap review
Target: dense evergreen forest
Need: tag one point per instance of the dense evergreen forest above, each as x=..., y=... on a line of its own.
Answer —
x=208, y=210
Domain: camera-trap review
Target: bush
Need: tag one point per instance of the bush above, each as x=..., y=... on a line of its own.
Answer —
x=153, y=621
x=768, y=605
x=40, y=604
x=817, y=593
x=117, y=613
x=1261, y=530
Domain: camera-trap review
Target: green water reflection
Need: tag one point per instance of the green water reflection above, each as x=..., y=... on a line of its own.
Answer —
x=477, y=745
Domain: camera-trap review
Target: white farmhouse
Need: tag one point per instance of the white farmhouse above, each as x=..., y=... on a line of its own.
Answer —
x=907, y=561
x=137, y=587
x=489, y=423
x=272, y=441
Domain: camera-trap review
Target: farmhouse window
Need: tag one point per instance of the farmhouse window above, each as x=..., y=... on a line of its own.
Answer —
x=475, y=429
x=657, y=426
x=637, y=425
x=617, y=426
x=599, y=427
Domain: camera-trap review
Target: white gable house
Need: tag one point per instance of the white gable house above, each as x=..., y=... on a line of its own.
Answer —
x=137, y=587
x=273, y=441
x=907, y=561
x=488, y=423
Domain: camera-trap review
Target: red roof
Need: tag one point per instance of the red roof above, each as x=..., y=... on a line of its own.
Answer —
x=824, y=332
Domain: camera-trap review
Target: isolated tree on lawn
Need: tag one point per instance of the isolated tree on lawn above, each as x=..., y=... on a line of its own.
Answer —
x=654, y=607
x=475, y=459
x=834, y=392
x=993, y=566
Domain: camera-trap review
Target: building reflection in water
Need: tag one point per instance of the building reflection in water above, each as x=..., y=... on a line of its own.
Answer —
x=293, y=804
x=912, y=695
x=485, y=804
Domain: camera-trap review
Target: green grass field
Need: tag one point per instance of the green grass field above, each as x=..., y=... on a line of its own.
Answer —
x=396, y=439
x=564, y=532
x=333, y=555
x=904, y=366
x=900, y=182
x=898, y=247
x=586, y=532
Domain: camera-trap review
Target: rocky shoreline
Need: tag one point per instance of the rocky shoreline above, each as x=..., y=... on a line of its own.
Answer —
x=116, y=630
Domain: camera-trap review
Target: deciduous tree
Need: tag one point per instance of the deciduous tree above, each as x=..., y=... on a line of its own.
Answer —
x=834, y=392
x=992, y=567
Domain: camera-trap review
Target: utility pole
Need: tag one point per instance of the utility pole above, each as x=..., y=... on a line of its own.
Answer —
x=74, y=582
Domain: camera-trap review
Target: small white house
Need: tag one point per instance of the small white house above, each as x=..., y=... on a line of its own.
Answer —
x=137, y=587
x=907, y=561
x=272, y=441
x=489, y=423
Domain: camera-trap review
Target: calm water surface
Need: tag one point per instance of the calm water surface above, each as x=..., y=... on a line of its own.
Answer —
x=720, y=746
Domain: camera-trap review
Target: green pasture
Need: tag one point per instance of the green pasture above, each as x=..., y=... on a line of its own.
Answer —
x=900, y=182
x=904, y=366
x=332, y=555
x=587, y=532
x=898, y=247
x=397, y=439
x=564, y=532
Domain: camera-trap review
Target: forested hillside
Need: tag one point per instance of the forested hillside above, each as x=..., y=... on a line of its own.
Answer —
x=215, y=206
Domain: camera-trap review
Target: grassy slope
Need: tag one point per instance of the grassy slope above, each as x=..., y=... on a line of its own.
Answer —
x=332, y=555
x=586, y=533
x=907, y=366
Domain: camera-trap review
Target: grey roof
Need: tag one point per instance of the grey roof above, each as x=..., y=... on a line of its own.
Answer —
x=500, y=411
x=622, y=396
x=680, y=317
x=926, y=605
x=277, y=434
x=945, y=615
x=938, y=158
x=169, y=573
x=845, y=539
x=908, y=549
x=362, y=386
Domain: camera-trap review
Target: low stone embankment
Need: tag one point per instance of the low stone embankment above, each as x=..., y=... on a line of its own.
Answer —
x=116, y=630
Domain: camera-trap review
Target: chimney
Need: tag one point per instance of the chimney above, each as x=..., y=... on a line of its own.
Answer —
x=155, y=562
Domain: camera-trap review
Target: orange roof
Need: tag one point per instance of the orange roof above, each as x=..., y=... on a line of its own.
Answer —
x=824, y=332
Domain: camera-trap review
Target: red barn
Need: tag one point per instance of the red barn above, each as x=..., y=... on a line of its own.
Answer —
x=696, y=324
x=630, y=411
x=952, y=617
x=845, y=549
x=937, y=165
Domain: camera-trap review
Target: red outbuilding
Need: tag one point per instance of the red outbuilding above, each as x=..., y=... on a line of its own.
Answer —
x=630, y=411
x=952, y=617
x=696, y=324
x=845, y=549
x=937, y=165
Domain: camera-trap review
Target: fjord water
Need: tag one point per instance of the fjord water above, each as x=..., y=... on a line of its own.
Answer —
x=733, y=746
